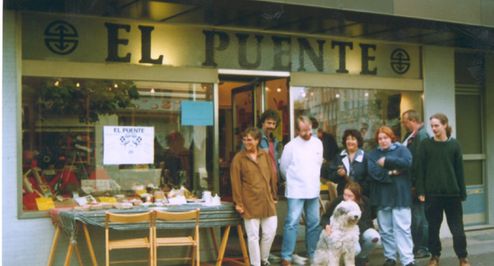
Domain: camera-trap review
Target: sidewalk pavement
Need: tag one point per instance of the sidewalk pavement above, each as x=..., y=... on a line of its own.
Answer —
x=480, y=245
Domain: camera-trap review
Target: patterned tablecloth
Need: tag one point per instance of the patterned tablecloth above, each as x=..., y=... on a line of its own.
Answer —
x=211, y=216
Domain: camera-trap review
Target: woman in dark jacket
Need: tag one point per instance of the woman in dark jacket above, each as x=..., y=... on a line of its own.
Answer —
x=390, y=193
x=369, y=237
x=351, y=163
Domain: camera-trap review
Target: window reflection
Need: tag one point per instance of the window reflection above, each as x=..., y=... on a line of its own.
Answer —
x=366, y=110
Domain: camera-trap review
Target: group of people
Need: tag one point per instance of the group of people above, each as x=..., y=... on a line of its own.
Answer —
x=407, y=186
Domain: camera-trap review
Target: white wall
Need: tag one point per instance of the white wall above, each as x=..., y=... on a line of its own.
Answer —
x=489, y=131
x=439, y=83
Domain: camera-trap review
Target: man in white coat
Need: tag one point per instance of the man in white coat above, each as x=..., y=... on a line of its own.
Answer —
x=300, y=164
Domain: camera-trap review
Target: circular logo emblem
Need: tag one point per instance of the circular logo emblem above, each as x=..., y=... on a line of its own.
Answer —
x=400, y=61
x=61, y=37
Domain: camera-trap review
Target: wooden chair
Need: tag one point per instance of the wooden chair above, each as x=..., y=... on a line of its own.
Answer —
x=129, y=243
x=189, y=240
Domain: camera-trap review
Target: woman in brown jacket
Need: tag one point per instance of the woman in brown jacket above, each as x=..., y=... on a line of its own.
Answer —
x=254, y=194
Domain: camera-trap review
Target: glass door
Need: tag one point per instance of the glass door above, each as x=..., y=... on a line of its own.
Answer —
x=469, y=132
x=244, y=111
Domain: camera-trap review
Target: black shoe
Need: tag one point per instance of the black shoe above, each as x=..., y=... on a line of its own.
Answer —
x=389, y=262
x=361, y=262
x=411, y=264
x=422, y=253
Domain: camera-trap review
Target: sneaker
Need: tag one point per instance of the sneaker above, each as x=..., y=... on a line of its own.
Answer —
x=265, y=263
x=464, y=262
x=299, y=260
x=273, y=258
x=411, y=264
x=285, y=263
x=389, y=262
x=422, y=253
x=434, y=261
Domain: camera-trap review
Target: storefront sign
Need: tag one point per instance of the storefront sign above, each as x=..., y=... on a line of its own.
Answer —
x=105, y=40
x=128, y=145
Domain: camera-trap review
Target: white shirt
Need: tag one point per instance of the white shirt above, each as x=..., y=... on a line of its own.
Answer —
x=300, y=163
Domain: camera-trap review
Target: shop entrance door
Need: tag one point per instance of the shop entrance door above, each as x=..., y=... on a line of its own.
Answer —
x=242, y=99
x=239, y=108
x=244, y=112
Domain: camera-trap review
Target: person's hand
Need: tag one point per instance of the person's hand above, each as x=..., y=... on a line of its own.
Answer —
x=341, y=171
x=328, y=230
x=239, y=209
x=380, y=162
x=422, y=198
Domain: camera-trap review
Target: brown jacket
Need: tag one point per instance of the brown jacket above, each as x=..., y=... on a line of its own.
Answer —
x=253, y=184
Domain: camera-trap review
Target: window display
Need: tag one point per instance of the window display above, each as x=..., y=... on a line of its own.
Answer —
x=63, y=123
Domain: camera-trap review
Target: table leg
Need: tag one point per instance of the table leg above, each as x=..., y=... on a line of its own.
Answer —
x=243, y=246
x=78, y=254
x=224, y=240
x=54, y=244
x=213, y=237
x=89, y=245
x=69, y=253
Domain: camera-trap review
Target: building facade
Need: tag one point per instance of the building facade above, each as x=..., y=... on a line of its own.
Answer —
x=172, y=84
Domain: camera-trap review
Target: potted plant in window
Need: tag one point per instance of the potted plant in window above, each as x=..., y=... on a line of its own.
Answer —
x=87, y=100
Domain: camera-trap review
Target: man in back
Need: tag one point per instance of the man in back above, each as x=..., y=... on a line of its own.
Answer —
x=416, y=134
x=268, y=123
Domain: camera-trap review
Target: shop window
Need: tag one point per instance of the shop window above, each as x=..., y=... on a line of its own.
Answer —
x=338, y=109
x=64, y=123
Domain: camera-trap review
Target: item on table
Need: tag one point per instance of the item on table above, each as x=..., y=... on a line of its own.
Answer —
x=206, y=196
x=136, y=202
x=123, y=205
x=177, y=200
x=120, y=197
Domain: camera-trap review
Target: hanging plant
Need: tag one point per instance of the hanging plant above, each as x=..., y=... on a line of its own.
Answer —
x=87, y=100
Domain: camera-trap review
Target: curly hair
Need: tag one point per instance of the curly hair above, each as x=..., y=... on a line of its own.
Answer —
x=354, y=133
x=269, y=114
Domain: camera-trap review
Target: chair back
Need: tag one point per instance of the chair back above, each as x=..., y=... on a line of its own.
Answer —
x=190, y=240
x=177, y=216
x=146, y=218
x=128, y=218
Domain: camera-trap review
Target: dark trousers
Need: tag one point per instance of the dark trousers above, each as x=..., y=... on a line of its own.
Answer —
x=434, y=209
x=420, y=227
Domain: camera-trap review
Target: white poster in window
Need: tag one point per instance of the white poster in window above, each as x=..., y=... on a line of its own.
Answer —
x=128, y=145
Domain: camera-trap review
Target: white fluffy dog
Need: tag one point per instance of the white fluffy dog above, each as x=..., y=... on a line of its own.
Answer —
x=343, y=238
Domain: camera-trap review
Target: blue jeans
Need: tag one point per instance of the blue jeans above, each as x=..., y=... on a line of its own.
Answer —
x=292, y=220
x=420, y=227
x=396, y=236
